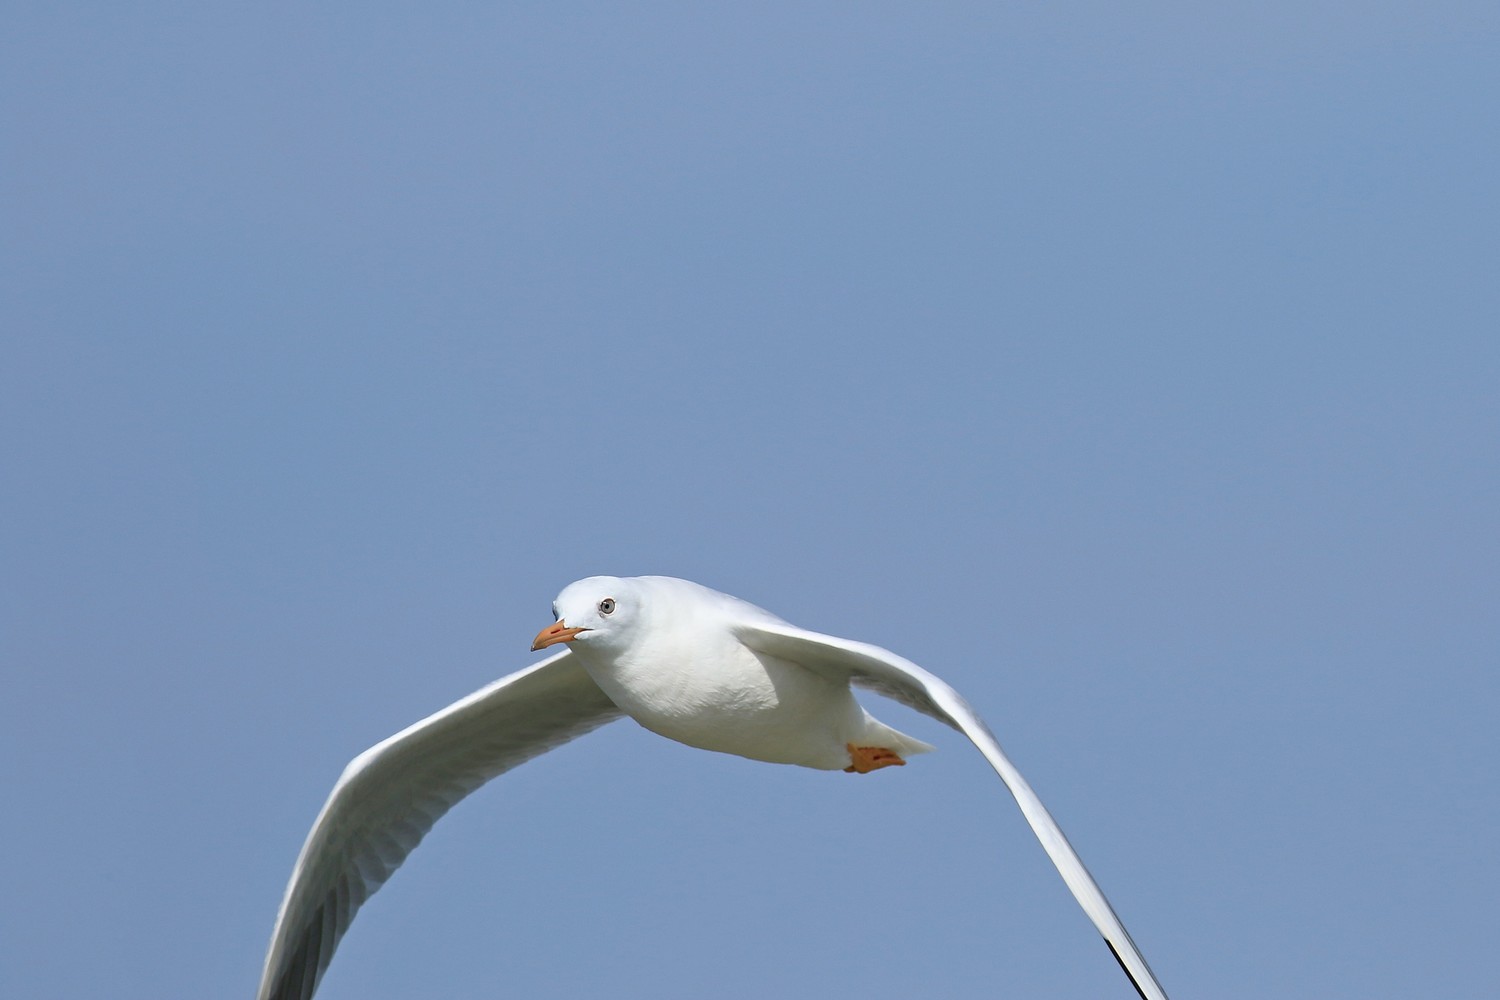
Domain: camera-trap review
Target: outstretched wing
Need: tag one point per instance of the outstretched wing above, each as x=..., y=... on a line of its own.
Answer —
x=391, y=795
x=883, y=671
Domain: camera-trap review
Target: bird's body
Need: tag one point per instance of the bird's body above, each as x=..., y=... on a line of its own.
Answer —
x=687, y=662
x=691, y=679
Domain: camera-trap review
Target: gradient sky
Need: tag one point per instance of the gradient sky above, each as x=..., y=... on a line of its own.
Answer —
x=1135, y=368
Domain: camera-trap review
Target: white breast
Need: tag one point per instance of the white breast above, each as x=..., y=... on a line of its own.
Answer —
x=722, y=696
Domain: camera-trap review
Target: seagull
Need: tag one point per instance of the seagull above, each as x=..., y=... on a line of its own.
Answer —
x=686, y=662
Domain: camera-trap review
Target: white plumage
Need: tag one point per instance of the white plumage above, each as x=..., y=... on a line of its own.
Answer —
x=687, y=662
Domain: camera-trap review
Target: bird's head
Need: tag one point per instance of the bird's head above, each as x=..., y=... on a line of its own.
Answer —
x=599, y=611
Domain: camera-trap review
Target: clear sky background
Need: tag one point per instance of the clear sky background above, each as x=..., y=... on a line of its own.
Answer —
x=1136, y=368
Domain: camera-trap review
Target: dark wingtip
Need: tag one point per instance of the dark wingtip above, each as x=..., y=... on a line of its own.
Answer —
x=1123, y=968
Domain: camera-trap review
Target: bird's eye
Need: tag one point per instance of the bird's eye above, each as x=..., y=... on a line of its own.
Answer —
x=554, y=612
x=607, y=606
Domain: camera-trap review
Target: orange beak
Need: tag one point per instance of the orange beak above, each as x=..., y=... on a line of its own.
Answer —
x=555, y=633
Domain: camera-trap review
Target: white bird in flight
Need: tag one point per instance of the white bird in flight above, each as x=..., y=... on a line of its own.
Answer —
x=687, y=662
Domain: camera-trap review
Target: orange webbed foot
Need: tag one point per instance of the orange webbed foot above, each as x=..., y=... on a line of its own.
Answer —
x=863, y=760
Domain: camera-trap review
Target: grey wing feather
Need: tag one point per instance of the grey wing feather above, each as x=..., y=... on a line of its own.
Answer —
x=882, y=671
x=391, y=795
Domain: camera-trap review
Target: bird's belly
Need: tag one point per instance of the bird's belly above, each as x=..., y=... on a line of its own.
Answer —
x=750, y=705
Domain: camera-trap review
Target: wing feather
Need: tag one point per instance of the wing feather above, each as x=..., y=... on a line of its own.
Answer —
x=392, y=794
x=886, y=673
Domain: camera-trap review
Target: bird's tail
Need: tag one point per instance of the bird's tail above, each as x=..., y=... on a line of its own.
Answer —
x=878, y=734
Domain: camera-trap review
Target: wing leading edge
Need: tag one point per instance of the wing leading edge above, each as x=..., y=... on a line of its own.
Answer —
x=886, y=673
x=392, y=794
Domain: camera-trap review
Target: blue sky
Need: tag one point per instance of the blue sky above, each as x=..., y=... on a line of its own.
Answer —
x=1134, y=369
